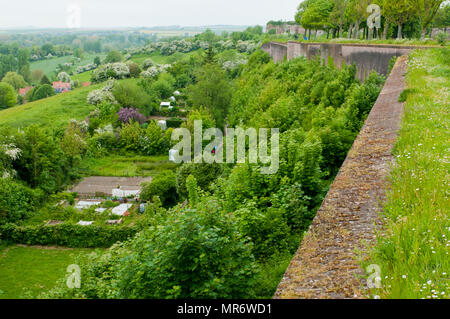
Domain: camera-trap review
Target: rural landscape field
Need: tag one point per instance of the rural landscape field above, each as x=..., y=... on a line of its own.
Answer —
x=297, y=152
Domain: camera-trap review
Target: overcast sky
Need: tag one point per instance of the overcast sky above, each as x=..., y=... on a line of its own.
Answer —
x=138, y=13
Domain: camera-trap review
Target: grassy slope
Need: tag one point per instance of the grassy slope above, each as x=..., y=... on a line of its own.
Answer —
x=83, y=77
x=32, y=269
x=413, y=249
x=56, y=110
x=49, y=66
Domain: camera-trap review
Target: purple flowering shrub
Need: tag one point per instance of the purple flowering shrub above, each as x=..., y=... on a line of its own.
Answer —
x=127, y=115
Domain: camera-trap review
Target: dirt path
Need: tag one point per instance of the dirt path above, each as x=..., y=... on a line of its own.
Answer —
x=104, y=185
x=326, y=266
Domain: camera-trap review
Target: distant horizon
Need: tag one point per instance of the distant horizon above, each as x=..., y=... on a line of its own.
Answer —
x=117, y=14
x=168, y=27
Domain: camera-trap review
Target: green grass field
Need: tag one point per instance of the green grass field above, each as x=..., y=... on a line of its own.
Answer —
x=128, y=166
x=163, y=59
x=83, y=77
x=413, y=249
x=49, y=66
x=32, y=270
x=53, y=111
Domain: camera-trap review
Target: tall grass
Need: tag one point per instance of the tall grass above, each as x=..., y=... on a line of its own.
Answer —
x=413, y=246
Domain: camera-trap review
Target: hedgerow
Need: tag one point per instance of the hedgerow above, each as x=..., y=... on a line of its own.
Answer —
x=66, y=235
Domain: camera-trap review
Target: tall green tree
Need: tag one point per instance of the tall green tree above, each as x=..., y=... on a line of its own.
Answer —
x=399, y=12
x=316, y=15
x=15, y=80
x=358, y=13
x=212, y=91
x=8, y=96
x=426, y=10
x=337, y=15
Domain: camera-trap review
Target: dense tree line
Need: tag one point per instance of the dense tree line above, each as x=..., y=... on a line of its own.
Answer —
x=412, y=18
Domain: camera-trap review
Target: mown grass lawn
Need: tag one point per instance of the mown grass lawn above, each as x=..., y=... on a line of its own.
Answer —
x=128, y=165
x=28, y=271
x=413, y=248
x=53, y=111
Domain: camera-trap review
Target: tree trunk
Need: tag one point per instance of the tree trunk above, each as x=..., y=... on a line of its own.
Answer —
x=304, y=35
x=385, y=31
x=340, y=31
x=370, y=34
x=356, y=34
x=424, y=33
x=309, y=34
x=350, y=28
x=399, y=32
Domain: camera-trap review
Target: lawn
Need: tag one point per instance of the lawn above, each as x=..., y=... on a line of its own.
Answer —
x=163, y=59
x=49, y=66
x=412, y=249
x=25, y=270
x=53, y=111
x=128, y=166
x=83, y=77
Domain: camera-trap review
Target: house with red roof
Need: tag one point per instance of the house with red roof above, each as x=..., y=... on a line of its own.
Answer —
x=61, y=87
x=24, y=91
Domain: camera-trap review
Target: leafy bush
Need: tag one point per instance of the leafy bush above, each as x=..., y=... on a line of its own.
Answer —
x=130, y=135
x=129, y=94
x=135, y=70
x=205, y=174
x=441, y=38
x=154, y=141
x=113, y=57
x=17, y=201
x=164, y=186
x=8, y=96
x=192, y=254
x=42, y=92
x=67, y=235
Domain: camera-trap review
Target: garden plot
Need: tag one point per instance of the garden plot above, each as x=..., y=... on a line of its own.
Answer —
x=110, y=186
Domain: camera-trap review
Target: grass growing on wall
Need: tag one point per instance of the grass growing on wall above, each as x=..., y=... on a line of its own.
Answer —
x=25, y=270
x=413, y=248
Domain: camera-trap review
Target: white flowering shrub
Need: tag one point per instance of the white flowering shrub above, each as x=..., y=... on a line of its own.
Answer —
x=98, y=96
x=111, y=70
x=11, y=151
x=63, y=77
x=8, y=154
x=148, y=63
x=150, y=73
x=107, y=129
x=85, y=68
x=231, y=65
x=83, y=126
x=103, y=95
